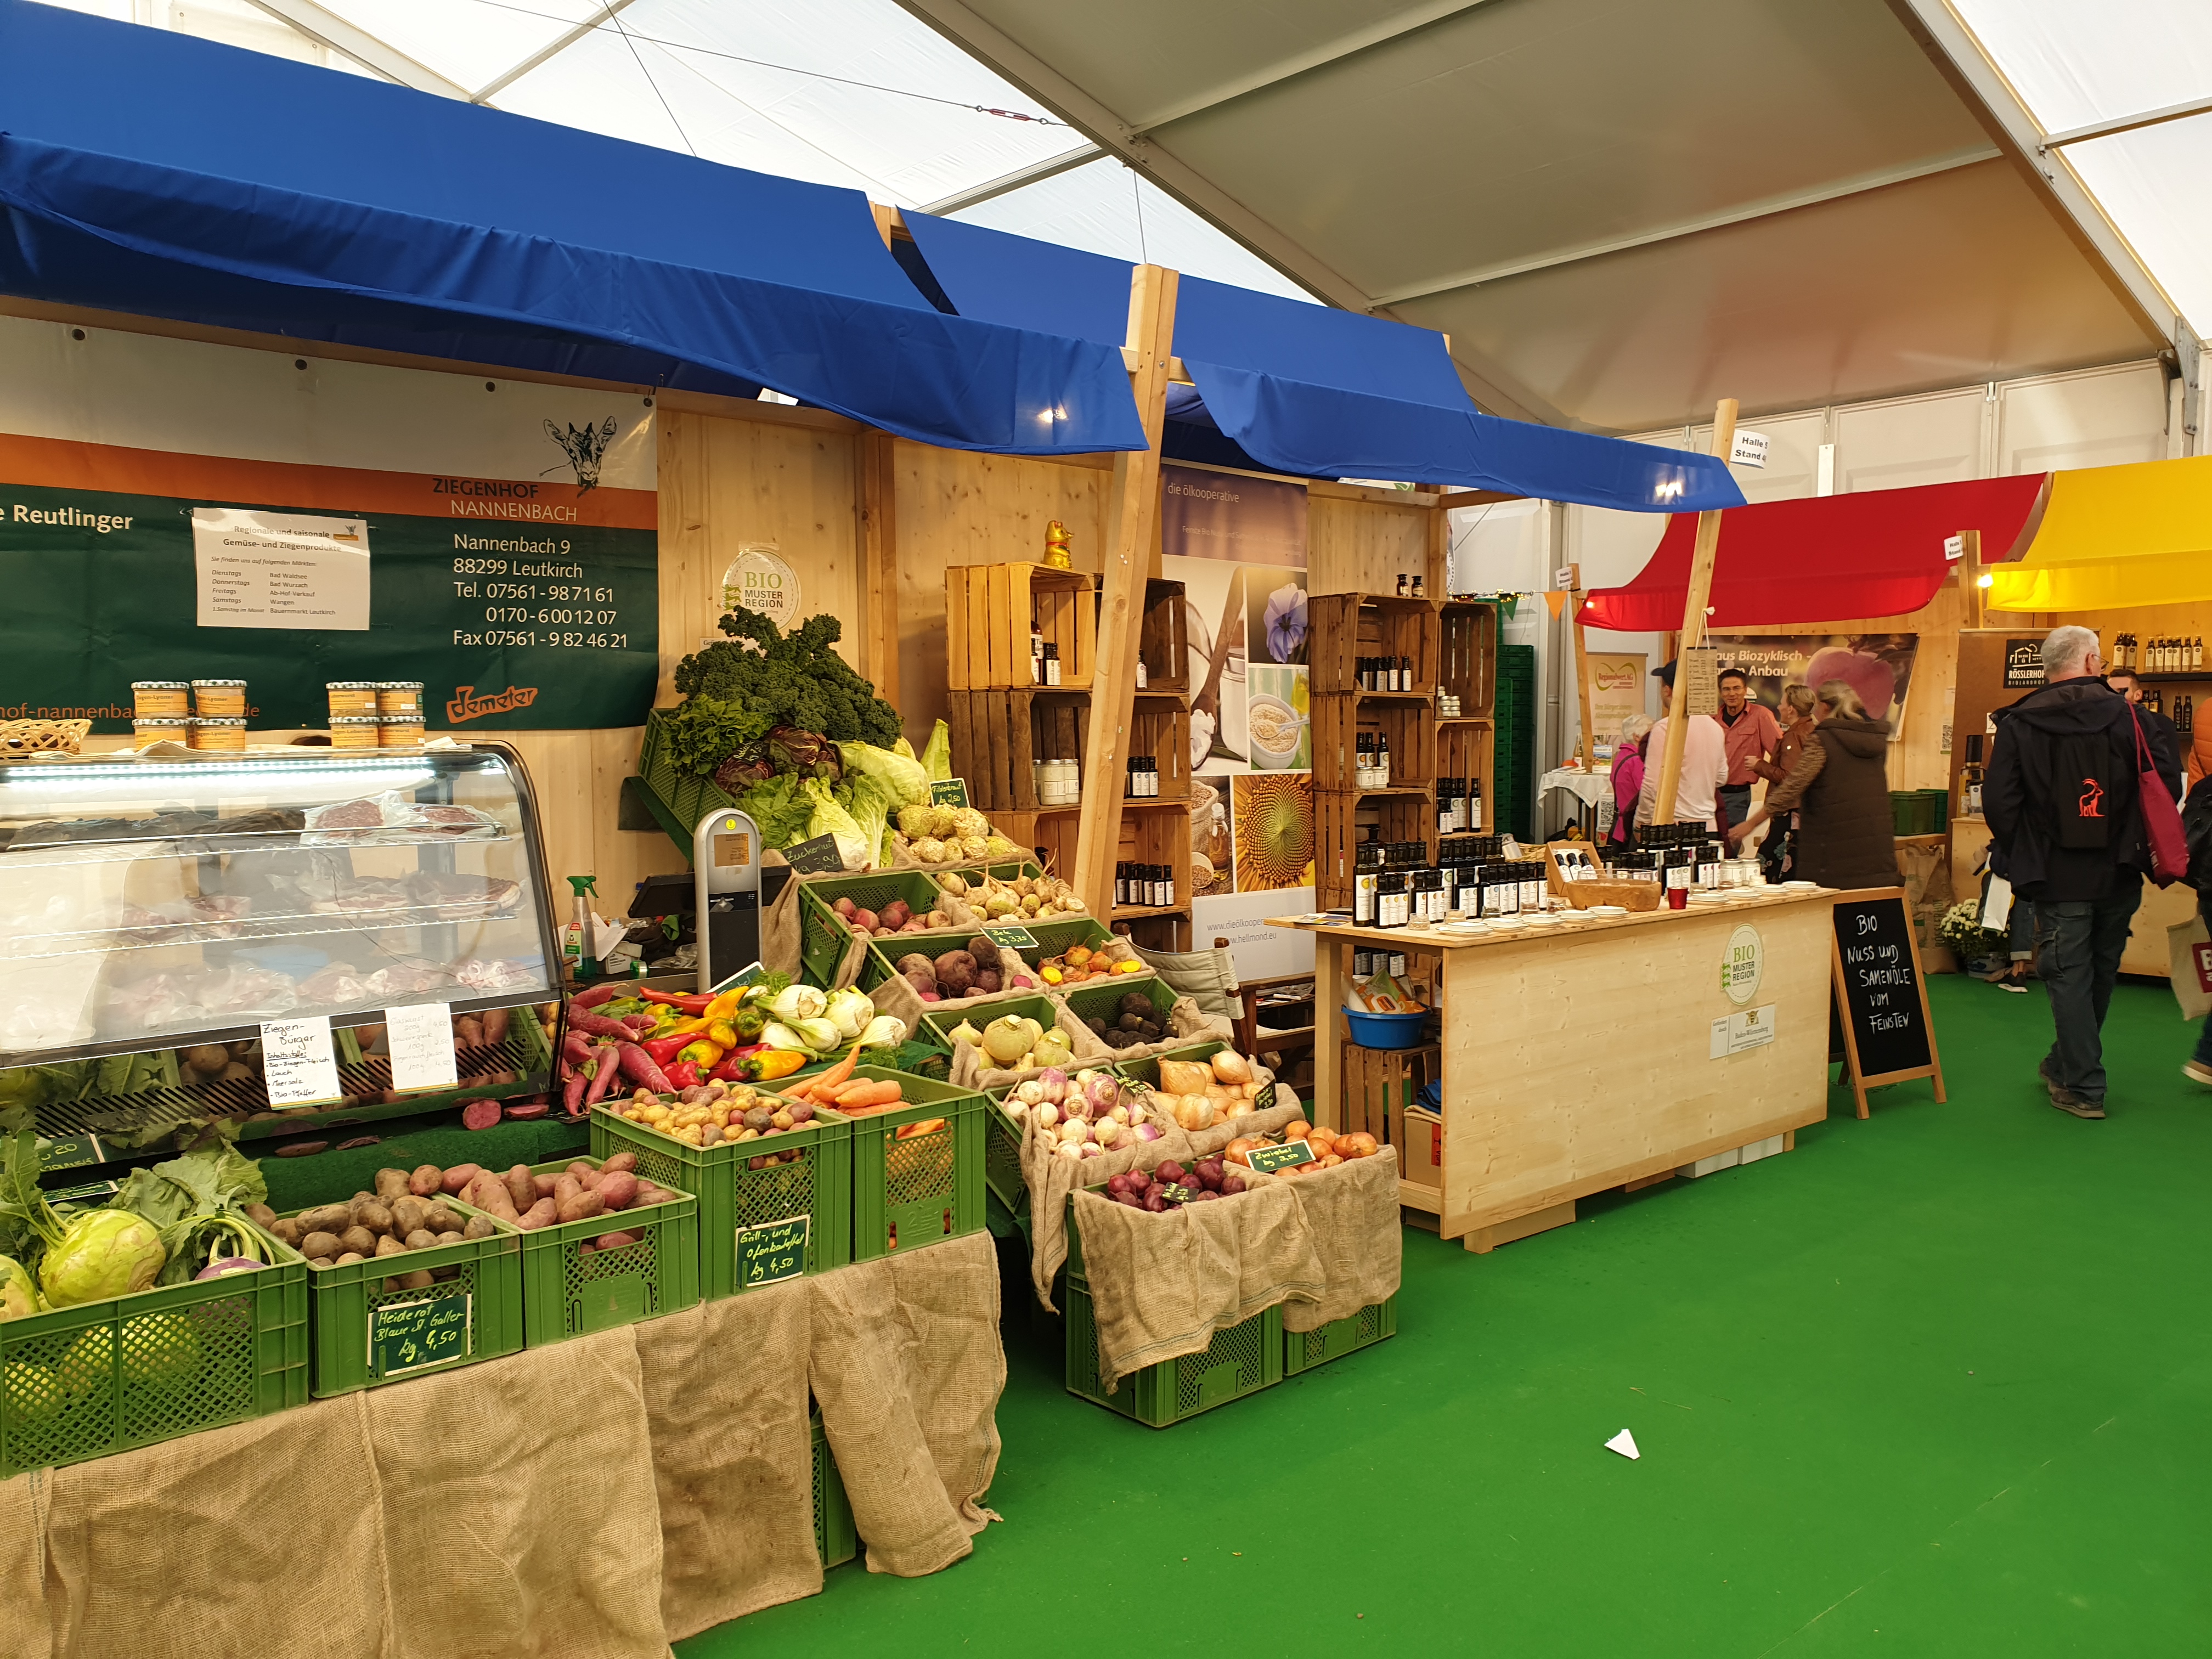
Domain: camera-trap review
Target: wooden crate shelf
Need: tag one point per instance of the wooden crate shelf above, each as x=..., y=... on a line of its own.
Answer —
x=1164, y=641
x=1345, y=626
x=1468, y=662
x=1379, y=1083
x=1468, y=749
x=1049, y=834
x=998, y=737
x=1341, y=819
x=1161, y=728
x=987, y=611
x=1337, y=722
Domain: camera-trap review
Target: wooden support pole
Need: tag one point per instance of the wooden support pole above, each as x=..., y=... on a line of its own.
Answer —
x=1694, y=622
x=875, y=501
x=1132, y=518
x=1970, y=576
x=1588, y=747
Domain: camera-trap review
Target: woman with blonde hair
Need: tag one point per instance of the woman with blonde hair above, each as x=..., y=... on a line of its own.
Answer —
x=1628, y=777
x=1794, y=710
x=1839, y=788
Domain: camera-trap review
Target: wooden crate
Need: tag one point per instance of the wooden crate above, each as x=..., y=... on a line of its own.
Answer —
x=1165, y=640
x=1340, y=817
x=1049, y=834
x=1467, y=748
x=998, y=738
x=1379, y=1083
x=987, y=611
x=1159, y=725
x=1467, y=647
x=1337, y=723
x=1156, y=834
x=1345, y=626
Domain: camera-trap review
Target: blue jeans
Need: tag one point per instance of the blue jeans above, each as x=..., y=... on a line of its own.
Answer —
x=2078, y=945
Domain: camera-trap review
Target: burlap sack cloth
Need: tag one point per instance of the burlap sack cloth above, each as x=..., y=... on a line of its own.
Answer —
x=732, y=1460
x=907, y=1369
x=781, y=930
x=1187, y=1022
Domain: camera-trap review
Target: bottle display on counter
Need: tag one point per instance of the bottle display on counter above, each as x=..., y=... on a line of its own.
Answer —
x=1474, y=800
x=1392, y=908
x=1366, y=869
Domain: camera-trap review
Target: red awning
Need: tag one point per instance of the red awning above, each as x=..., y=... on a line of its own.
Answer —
x=1832, y=558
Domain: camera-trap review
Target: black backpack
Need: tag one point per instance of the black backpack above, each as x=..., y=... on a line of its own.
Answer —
x=2085, y=789
x=2197, y=824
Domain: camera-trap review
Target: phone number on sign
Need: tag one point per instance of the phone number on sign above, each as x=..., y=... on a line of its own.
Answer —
x=518, y=613
x=577, y=641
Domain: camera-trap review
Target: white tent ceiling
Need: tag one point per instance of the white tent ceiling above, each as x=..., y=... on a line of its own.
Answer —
x=1619, y=211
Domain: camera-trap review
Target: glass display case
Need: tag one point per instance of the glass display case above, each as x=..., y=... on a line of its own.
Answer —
x=177, y=903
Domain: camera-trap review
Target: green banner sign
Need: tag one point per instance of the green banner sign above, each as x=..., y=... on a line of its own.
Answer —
x=772, y=1251
x=1265, y=1160
x=407, y=1336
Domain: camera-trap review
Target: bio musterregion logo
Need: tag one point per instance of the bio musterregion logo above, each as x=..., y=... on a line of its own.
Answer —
x=466, y=705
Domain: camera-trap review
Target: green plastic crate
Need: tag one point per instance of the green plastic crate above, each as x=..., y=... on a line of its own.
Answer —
x=823, y=939
x=1102, y=999
x=81, y=1382
x=567, y=1291
x=1002, y=1158
x=1146, y=1071
x=735, y=1198
x=835, y=1540
x=656, y=762
x=1239, y=1361
x=350, y=1309
x=1303, y=1349
x=906, y=1193
x=936, y=1028
x=1053, y=938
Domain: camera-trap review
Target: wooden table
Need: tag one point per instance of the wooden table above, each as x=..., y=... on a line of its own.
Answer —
x=1578, y=1057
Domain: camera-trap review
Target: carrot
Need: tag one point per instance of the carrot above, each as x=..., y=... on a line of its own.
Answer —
x=867, y=1093
x=828, y=1079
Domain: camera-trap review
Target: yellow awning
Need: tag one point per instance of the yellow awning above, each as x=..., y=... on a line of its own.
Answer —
x=2117, y=536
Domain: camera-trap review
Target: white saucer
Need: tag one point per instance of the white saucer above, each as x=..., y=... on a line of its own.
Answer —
x=1465, y=927
x=1801, y=886
x=1546, y=919
x=1608, y=909
x=1508, y=924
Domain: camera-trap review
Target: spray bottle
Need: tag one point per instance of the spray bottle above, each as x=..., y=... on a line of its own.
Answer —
x=576, y=938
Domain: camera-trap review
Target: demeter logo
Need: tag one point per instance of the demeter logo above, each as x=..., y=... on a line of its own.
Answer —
x=466, y=705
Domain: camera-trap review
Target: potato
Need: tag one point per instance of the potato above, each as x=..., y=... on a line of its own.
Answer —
x=455, y=1237
x=426, y=1181
x=391, y=1184
x=320, y=1246
x=619, y=1190
x=566, y=1188
x=488, y=1193
x=521, y=1187
x=373, y=1215
x=478, y=1227
x=261, y=1215
x=457, y=1178
x=583, y=1207
x=320, y=1261
x=545, y=1184
x=410, y=1214
x=345, y=1260
x=441, y=1219
x=591, y=1179
x=580, y=1168
x=359, y=1240
x=324, y=1218
x=285, y=1230
x=390, y=1245
x=618, y=1162
x=616, y=1241
x=420, y=1279
x=543, y=1213
x=421, y=1239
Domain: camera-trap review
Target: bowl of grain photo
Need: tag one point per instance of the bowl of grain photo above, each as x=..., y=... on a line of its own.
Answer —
x=1276, y=728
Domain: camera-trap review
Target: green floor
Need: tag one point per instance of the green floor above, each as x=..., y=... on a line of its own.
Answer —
x=1937, y=1384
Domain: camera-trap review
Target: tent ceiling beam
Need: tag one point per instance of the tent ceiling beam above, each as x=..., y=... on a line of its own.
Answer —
x=552, y=50
x=1329, y=51
x=2126, y=124
x=325, y=27
x=1954, y=50
x=1834, y=191
x=996, y=51
x=1006, y=183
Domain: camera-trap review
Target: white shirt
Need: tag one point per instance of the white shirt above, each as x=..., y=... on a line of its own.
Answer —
x=1704, y=770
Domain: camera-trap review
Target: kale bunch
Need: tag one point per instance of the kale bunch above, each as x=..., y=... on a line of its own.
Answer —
x=794, y=679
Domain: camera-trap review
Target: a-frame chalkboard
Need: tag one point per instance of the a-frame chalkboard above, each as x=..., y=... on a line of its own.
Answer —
x=1887, y=1034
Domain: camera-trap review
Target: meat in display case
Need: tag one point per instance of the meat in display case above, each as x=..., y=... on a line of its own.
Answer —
x=175, y=904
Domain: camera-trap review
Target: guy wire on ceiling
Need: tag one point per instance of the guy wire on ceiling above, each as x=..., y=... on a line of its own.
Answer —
x=655, y=85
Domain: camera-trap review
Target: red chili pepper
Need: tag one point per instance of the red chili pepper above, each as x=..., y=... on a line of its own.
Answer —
x=689, y=1005
x=731, y=1067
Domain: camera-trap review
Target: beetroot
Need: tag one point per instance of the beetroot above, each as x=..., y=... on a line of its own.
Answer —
x=479, y=1114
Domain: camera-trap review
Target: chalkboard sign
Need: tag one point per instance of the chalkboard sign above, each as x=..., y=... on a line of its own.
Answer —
x=1014, y=938
x=1265, y=1160
x=1888, y=1037
x=815, y=858
x=949, y=792
x=406, y=1336
x=772, y=1250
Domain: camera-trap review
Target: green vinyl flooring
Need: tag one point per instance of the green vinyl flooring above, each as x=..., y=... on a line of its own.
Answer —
x=1936, y=1383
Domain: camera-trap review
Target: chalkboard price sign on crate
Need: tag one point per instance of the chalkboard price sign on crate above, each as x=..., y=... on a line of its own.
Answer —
x=1888, y=1035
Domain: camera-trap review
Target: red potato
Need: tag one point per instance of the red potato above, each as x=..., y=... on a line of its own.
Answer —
x=543, y=1213
x=479, y=1114
x=488, y=1193
x=583, y=1207
x=580, y=1168
x=619, y=1190
x=521, y=1187
x=457, y=1178
x=426, y=1180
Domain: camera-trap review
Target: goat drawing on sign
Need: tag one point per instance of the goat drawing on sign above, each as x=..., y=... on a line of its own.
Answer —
x=586, y=448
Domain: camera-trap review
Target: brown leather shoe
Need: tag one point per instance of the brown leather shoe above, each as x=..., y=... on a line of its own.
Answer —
x=2080, y=1105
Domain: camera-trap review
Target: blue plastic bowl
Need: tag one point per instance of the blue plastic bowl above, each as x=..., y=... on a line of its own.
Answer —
x=1386, y=1030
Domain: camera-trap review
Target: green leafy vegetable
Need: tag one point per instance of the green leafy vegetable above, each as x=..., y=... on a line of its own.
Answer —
x=937, y=759
x=195, y=1201
x=706, y=731
x=779, y=808
x=777, y=679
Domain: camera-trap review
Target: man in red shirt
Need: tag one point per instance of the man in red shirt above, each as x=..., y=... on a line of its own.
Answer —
x=1752, y=735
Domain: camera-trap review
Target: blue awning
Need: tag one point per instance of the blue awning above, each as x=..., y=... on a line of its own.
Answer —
x=1315, y=391
x=148, y=171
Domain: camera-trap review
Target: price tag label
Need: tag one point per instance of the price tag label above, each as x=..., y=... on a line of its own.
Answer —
x=72, y=1153
x=752, y=976
x=817, y=857
x=772, y=1251
x=1265, y=1160
x=421, y=1042
x=298, y=1063
x=102, y=1190
x=1014, y=938
x=407, y=1336
x=949, y=792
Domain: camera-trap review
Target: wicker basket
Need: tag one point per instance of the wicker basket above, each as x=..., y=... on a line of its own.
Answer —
x=1628, y=894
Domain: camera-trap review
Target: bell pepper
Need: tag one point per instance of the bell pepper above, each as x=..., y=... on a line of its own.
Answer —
x=724, y=1005
x=683, y=1074
x=721, y=1033
x=731, y=1067
x=749, y=1022
x=768, y=1064
x=700, y=1053
x=664, y=1049
x=694, y=1004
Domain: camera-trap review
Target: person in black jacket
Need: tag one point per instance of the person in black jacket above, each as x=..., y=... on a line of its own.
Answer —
x=2066, y=829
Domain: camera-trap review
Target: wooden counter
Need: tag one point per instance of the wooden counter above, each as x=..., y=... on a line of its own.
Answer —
x=1579, y=1057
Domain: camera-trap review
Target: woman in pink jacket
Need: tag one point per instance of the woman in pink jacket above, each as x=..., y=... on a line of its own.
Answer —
x=1628, y=777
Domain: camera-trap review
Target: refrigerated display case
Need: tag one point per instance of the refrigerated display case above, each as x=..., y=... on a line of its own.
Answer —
x=164, y=908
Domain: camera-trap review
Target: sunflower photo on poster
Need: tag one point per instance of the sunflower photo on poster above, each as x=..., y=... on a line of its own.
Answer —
x=1213, y=847
x=1273, y=823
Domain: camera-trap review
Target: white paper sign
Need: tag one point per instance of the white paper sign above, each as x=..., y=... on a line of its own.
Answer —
x=1753, y=1028
x=298, y=1062
x=421, y=1042
x=1749, y=450
x=1954, y=547
x=280, y=569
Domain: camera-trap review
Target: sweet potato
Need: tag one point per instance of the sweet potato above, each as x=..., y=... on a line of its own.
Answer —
x=583, y=1207
x=521, y=1187
x=528, y=1111
x=479, y=1114
x=566, y=1187
x=426, y=1181
x=579, y=1167
x=495, y=1026
x=487, y=1192
x=324, y=1218
x=357, y=1142
x=391, y=1184
x=457, y=1177
x=618, y=1162
x=545, y=1183
x=617, y=1191
x=320, y=1246
x=543, y=1213
x=590, y=1178
x=468, y=1032
x=302, y=1148
x=478, y=1227
x=616, y=1241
